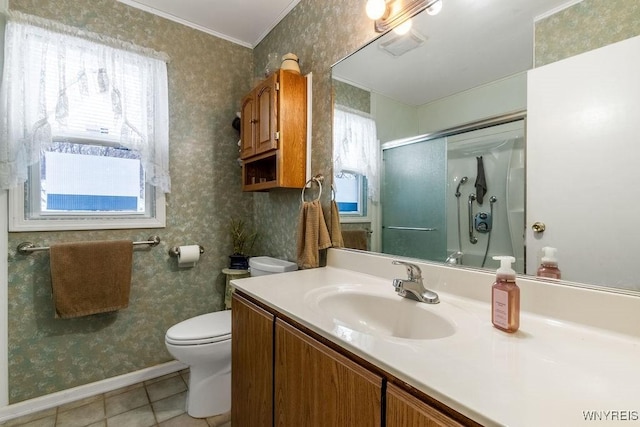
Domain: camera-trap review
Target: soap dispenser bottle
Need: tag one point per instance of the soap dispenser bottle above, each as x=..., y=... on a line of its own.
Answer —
x=549, y=264
x=505, y=297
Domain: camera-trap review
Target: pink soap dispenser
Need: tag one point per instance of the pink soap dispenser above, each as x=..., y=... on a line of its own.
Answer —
x=549, y=264
x=505, y=297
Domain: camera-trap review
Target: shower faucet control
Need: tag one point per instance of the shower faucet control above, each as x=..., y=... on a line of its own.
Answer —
x=482, y=222
x=412, y=287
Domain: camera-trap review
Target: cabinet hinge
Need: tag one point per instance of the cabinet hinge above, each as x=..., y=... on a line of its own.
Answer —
x=276, y=135
x=277, y=85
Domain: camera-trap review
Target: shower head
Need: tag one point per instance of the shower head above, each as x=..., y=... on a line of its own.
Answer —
x=493, y=199
x=462, y=181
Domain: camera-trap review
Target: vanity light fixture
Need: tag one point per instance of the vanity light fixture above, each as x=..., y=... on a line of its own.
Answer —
x=376, y=9
x=393, y=13
x=403, y=28
x=435, y=8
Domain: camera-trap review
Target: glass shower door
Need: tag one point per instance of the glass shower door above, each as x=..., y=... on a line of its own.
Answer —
x=413, y=200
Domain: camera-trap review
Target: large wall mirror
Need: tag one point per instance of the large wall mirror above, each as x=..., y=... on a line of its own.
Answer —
x=447, y=105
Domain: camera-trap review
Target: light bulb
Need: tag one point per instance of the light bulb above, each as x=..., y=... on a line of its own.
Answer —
x=435, y=8
x=403, y=28
x=376, y=9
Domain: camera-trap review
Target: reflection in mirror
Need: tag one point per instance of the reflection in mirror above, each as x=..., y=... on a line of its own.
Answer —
x=449, y=103
x=456, y=197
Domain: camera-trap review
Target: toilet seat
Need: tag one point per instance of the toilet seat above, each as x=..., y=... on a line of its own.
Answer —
x=204, y=329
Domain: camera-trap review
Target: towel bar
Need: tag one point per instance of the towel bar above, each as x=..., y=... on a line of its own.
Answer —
x=25, y=248
x=318, y=179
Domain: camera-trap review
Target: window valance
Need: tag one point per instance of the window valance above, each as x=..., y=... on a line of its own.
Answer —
x=63, y=83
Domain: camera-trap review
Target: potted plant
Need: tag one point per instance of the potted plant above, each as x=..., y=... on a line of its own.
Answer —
x=242, y=244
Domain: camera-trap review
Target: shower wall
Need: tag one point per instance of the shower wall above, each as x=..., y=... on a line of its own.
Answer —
x=502, y=151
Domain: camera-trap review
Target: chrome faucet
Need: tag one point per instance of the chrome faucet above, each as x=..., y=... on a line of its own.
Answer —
x=455, y=258
x=412, y=287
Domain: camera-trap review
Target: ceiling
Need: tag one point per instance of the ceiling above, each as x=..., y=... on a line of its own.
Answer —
x=468, y=44
x=245, y=22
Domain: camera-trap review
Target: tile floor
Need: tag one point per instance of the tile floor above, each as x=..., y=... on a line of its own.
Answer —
x=156, y=403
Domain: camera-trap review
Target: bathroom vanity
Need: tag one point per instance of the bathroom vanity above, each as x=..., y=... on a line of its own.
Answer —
x=337, y=346
x=307, y=380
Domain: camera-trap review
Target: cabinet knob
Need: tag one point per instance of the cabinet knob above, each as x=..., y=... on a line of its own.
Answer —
x=254, y=121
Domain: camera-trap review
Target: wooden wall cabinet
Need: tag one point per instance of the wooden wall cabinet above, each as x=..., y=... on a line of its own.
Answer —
x=273, y=133
x=282, y=376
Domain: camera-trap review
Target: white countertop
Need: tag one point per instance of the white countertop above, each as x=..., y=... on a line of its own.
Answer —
x=549, y=373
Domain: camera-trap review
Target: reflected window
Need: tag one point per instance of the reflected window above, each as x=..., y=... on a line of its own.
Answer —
x=350, y=194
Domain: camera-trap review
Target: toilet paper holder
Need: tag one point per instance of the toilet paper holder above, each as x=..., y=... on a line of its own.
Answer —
x=175, y=251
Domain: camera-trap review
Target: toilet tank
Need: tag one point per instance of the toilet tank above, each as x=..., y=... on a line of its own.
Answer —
x=261, y=265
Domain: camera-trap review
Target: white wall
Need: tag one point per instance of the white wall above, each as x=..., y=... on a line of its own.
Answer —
x=393, y=119
x=490, y=100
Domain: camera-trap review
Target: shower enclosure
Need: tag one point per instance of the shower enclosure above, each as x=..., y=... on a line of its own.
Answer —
x=431, y=194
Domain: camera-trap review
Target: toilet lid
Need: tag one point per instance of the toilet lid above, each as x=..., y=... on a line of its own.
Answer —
x=203, y=329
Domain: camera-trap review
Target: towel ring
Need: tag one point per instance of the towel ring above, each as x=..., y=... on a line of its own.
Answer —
x=316, y=180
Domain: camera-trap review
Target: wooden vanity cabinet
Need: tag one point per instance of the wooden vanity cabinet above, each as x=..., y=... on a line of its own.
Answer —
x=251, y=364
x=404, y=410
x=316, y=386
x=273, y=133
x=282, y=376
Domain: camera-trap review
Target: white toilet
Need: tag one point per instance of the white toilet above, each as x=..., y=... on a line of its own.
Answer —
x=204, y=343
x=261, y=265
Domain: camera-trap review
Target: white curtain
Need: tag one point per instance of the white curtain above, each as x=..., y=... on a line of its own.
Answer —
x=355, y=146
x=56, y=84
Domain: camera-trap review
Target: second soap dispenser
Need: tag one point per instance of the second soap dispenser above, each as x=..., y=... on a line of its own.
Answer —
x=549, y=264
x=505, y=297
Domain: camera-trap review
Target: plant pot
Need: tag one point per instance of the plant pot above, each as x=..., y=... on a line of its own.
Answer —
x=238, y=262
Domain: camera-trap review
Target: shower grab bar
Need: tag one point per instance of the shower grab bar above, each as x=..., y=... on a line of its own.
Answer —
x=26, y=248
x=473, y=239
x=391, y=227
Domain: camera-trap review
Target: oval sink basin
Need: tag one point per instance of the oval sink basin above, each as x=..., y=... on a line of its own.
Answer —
x=385, y=315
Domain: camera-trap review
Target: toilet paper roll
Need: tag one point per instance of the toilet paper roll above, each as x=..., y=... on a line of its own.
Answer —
x=188, y=256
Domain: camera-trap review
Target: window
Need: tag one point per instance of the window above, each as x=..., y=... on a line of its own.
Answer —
x=355, y=159
x=87, y=146
x=350, y=195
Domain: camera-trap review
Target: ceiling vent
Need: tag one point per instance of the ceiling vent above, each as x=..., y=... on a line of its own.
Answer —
x=399, y=45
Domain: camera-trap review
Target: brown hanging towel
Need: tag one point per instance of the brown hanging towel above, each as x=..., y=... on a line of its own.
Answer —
x=90, y=277
x=312, y=234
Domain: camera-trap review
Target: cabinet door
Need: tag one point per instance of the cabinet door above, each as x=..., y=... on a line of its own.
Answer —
x=251, y=365
x=405, y=410
x=266, y=114
x=316, y=386
x=247, y=126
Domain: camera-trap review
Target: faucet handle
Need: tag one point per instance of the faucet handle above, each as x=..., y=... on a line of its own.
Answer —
x=413, y=271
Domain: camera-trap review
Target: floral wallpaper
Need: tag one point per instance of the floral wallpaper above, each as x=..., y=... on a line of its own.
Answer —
x=350, y=96
x=207, y=78
x=585, y=26
x=320, y=32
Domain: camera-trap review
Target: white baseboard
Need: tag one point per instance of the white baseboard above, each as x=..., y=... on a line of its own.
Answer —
x=59, y=398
